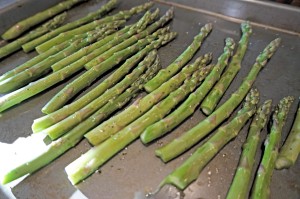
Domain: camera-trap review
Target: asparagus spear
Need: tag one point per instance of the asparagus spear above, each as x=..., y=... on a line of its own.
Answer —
x=214, y=96
x=39, y=58
x=291, y=148
x=157, y=112
x=63, y=144
x=189, y=105
x=83, y=167
x=173, y=68
x=20, y=27
x=44, y=66
x=33, y=88
x=261, y=187
x=189, y=171
x=58, y=129
x=88, y=18
x=191, y=137
x=90, y=76
x=52, y=118
x=46, y=27
x=116, y=123
x=122, y=15
x=239, y=188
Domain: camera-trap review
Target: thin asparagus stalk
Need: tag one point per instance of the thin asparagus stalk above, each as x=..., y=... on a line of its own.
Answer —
x=63, y=144
x=137, y=32
x=81, y=168
x=191, y=137
x=189, y=171
x=112, y=27
x=39, y=58
x=291, y=148
x=44, y=28
x=122, y=15
x=141, y=106
x=33, y=88
x=88, y=18
x=239, y=188
x=44, y=66
x=69, y=91
x=68, y=123
x=189, y=105
x=20, y=27
x=173, y=68
x=52, y=118
x=158, y=111
x=261, y=187
x=211, y=100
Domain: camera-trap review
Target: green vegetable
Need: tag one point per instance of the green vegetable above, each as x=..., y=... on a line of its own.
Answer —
x=211, y=100
x=191, y=137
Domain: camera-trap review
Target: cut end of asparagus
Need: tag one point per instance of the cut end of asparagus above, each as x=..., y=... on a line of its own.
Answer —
x=206, y=28
x=283, y=163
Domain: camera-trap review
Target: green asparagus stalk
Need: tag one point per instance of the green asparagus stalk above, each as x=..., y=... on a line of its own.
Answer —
x=291, y=148
x=211, y=100
x=52, y=118
x=122, y=15
x=88, y=49
x=189, y=171
x=239, y=188
x=63, y=144
x=141, y=106
x=136, y=32
x=33, y=88
x=158, y=111
x=81, y=168
x=261, y=187
x=68, y=123
x=44, y=28
x=189, y=105
x=88, y=18
x=61, y=98
x=39, y=58
x=173, y=68
x=20, y=27
x=191, y=137
x=44, y=66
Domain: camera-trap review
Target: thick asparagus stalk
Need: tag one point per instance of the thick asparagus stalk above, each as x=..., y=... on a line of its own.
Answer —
x=33, y=88
x=63, y=144
x=261, y=187
x=104, y=31
x=189, y=171
x=79, y=169
x=44, y=66
x=173, y=68
x=113, y=125
x=211, y=100
x=239, y=188
x=68, y=123
x=88, y=18
x=189, y=105
x=135, y=33
x=39, y=58
x=52, y=118
x=46, y=27
x=158, y=111
x=291, y=148
x=191, y=137
x=69, y=91
x=20, y=27
x=122, y=15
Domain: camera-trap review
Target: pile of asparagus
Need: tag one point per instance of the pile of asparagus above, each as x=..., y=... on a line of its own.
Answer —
x=100, y=44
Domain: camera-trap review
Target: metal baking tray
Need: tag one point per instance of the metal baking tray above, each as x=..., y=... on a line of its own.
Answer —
x=139, y=171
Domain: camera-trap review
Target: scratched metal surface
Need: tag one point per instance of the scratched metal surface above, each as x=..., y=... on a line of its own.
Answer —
x=137, y=170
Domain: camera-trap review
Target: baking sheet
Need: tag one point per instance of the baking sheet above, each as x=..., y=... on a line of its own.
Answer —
x=136, y=169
